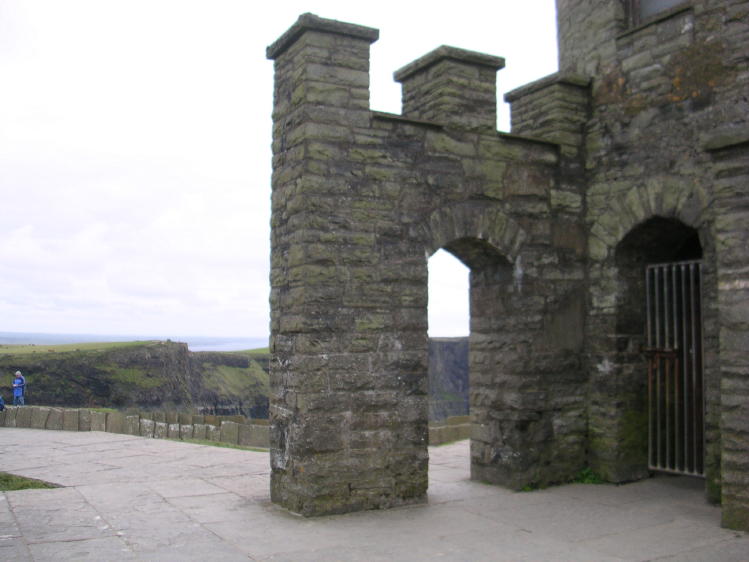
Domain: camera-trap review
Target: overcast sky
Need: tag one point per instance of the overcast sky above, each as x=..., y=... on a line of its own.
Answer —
x=135, y=160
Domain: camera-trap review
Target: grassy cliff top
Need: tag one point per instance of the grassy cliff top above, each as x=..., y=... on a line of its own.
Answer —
x=27, y=349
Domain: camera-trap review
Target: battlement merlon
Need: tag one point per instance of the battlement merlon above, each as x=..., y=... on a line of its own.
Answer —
x=452, y=87
x=321, y=69
x=311, y=22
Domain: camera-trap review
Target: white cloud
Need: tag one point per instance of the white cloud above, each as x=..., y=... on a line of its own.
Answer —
x=135, y=159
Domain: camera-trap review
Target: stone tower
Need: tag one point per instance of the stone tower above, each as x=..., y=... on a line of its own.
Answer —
x=635, y=153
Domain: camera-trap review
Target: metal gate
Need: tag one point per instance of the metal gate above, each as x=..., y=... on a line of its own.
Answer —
x=675, y=390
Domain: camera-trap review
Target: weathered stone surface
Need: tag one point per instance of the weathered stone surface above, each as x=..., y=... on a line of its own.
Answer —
x=23, y=417
x=131, y=425
x=185, y=431
x=39, y=415
x=253, y=435
x=229, y=432
x=608, y=169
x=199, y=431
x=147, y=427
x=54, y=419
x=115, y=422
x=98, y=421
x=213, y=433
x=71, y=419
x=161, y=430
x=173, y=431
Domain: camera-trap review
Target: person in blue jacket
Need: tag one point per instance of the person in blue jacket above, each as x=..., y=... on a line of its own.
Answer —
x=19, y=385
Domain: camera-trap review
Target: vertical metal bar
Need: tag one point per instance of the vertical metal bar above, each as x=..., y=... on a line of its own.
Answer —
x=648, y=305
x=685, y=361
x=698, y=369
x=666, y=402
x=666, y=315
x=649, y=338
x=667, y=367
x=694, y=371
x=658, y=370
x=677, y=394
x=657, y=309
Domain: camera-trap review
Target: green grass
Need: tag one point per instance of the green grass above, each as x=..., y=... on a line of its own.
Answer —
x=11, y=482
x=29, y=349
x=587, y=476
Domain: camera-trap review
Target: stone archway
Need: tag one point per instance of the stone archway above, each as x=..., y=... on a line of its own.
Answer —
x=360, y=200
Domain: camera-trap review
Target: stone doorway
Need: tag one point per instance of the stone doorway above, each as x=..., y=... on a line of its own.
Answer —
x=658, y=240
x=675, y=376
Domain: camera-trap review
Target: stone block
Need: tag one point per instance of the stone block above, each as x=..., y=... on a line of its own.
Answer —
x=173, y=431
x=147, y=427
x=160, y=430
x=131, y=425
x=254, y=435
x=159, y=416
x=98, y=421
x=71, y=419
x=115, y=422
x=23, y=416
x=54, y=419
x=10, y=416
x=229, y=432
x=199, y=431
x=2, y=417
x=39, y=415
x=213, y=433
x=185, y=431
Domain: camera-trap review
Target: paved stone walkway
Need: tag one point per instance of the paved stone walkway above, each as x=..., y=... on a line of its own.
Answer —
x=130, y=498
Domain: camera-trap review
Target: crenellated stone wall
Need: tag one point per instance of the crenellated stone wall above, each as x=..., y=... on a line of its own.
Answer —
x=360, y=201
x=634, y=153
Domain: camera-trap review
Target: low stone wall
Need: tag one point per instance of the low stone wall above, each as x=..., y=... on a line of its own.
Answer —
x=236, y=430
x=455, y=428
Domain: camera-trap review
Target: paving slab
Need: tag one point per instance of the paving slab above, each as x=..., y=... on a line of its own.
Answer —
x=125, y=497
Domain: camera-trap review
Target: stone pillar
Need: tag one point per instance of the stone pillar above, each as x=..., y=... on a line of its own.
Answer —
x=730, y=154
x=348, y=404
x=453, y=87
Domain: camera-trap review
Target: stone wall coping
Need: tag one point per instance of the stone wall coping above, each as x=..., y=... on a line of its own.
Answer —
x=446, y=52
x=524, y=138
x=312, y=22
x=724, y=138
x=550, y=80
x=408, y=120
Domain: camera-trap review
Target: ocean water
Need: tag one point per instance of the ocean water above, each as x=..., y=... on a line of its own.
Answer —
x=194, y=343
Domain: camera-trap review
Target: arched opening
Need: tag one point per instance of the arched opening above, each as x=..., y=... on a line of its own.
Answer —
x=449, y=328
x=489, y=347
x=658, y=349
